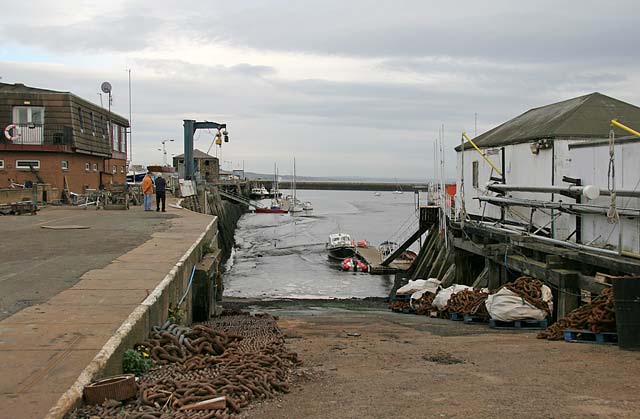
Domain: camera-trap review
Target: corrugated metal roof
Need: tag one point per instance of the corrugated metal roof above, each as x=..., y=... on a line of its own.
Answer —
x=586, y=116
x=197, y=154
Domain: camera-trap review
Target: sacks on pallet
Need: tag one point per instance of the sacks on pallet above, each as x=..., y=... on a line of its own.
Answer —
x=430, y=285
x=507, y=306
x=443, y=296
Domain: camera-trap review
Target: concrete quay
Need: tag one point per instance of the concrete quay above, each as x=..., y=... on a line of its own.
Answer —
x=49, y=351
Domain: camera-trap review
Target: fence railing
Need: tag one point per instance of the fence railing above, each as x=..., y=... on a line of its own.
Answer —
x=38, y=134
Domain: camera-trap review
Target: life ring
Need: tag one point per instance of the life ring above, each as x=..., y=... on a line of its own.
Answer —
x=7, y=132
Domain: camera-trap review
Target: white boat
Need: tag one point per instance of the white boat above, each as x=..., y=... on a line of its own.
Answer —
x=259, y=193
x=295, y=206
x=307, y=206
x=398, y=188
x=340, y=246
x=377, y=194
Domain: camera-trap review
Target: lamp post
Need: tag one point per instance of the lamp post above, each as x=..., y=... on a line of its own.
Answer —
x=164, y=151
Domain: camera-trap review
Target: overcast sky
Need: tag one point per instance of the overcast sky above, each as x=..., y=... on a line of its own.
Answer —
x=350, y=88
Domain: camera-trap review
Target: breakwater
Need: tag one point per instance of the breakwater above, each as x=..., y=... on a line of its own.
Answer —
x=350, y=186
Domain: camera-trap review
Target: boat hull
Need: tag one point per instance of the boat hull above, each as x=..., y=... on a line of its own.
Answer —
x=341, y=252
x=270, y=211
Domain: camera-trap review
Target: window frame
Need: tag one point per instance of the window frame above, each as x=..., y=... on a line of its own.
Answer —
x=29, y=110
x=81, y=119
x=475, y=173
x=1, y=164
x=87, y=167
x=95, y=167
x=19, y=167
x=64, y=164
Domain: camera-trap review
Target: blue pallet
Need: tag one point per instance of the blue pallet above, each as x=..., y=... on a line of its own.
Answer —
x=409, y=310
x=456, y=317
x=528, y=324
x=471, y=318
x=587, y=336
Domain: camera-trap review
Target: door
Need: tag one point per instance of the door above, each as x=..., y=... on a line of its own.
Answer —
x=30, y=122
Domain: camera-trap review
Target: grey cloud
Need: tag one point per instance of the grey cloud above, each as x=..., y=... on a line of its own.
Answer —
x=542, y=30
x=121, y=33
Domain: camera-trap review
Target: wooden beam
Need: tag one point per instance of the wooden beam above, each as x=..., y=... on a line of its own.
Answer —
x=404, y=246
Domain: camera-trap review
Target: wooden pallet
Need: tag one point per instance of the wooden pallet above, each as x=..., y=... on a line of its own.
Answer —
x=527, y=324
x=472, y=318
x=587, y=336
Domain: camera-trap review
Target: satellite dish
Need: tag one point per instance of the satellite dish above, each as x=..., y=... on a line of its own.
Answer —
x=106, y=87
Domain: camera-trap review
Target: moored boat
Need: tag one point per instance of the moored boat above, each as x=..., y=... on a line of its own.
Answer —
x=307, y=206
x=340, y=246
x=354, y=264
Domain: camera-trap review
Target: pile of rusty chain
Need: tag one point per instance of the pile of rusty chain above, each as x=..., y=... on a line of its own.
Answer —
x=174, y=343
x=469, y=301
x=530, y=290
x=399, y=305
x=254, y=365
x=597, y=316
x=424, y=306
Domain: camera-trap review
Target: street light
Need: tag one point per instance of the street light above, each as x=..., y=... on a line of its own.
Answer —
x=164, y=151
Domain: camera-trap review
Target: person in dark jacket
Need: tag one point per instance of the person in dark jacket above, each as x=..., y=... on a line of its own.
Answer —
x=161, y=192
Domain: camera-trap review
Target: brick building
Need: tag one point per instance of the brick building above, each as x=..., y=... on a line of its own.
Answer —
x=207, y=165
x=50, y=136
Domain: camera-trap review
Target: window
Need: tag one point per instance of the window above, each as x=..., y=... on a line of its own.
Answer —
x=95, y=167
x=114, y=136
x=65, y=164
x=121, y=169
x=81, y=118
x=27, y=164
x=1, y=164
x=474, y=173
x=124, y=140
x=104, y=127
x=87, y=167
x=114, y=170
x=93, y=123
x=28, y=115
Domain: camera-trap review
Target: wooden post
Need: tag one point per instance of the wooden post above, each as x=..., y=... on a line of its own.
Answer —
x=568, y=295
x=493, y=272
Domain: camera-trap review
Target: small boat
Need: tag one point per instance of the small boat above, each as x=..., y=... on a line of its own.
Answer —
x=398, y=190
x=259, y=193
x=307, y=206
x=273, y=209
x=340, y=246
x=387, y=247
x=377, y=194
x=354, y=264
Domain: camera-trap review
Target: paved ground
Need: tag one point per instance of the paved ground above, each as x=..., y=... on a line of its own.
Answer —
x=45, y=347
x=407, y=366
x=38, y=263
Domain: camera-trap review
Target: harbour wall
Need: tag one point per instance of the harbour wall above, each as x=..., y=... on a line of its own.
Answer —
x=348, y=186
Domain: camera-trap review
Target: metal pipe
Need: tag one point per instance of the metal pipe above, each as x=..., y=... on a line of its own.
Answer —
x=484, y=156
x=561, y=206
x=557, y=189
x=615, y=122
x=555, y=241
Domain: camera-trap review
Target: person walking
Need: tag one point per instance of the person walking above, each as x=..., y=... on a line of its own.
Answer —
x=161, y=194
x=147, y=190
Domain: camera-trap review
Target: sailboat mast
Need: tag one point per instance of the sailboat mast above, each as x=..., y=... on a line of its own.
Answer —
x=294, y=182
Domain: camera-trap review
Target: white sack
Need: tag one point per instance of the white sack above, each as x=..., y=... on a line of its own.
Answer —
x=444, y=295
x=430, y=285
x=506, y=306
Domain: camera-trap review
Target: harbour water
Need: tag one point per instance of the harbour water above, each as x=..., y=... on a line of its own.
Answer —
x=284, y=256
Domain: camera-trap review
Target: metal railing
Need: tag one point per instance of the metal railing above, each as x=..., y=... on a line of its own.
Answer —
x=39, y=134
